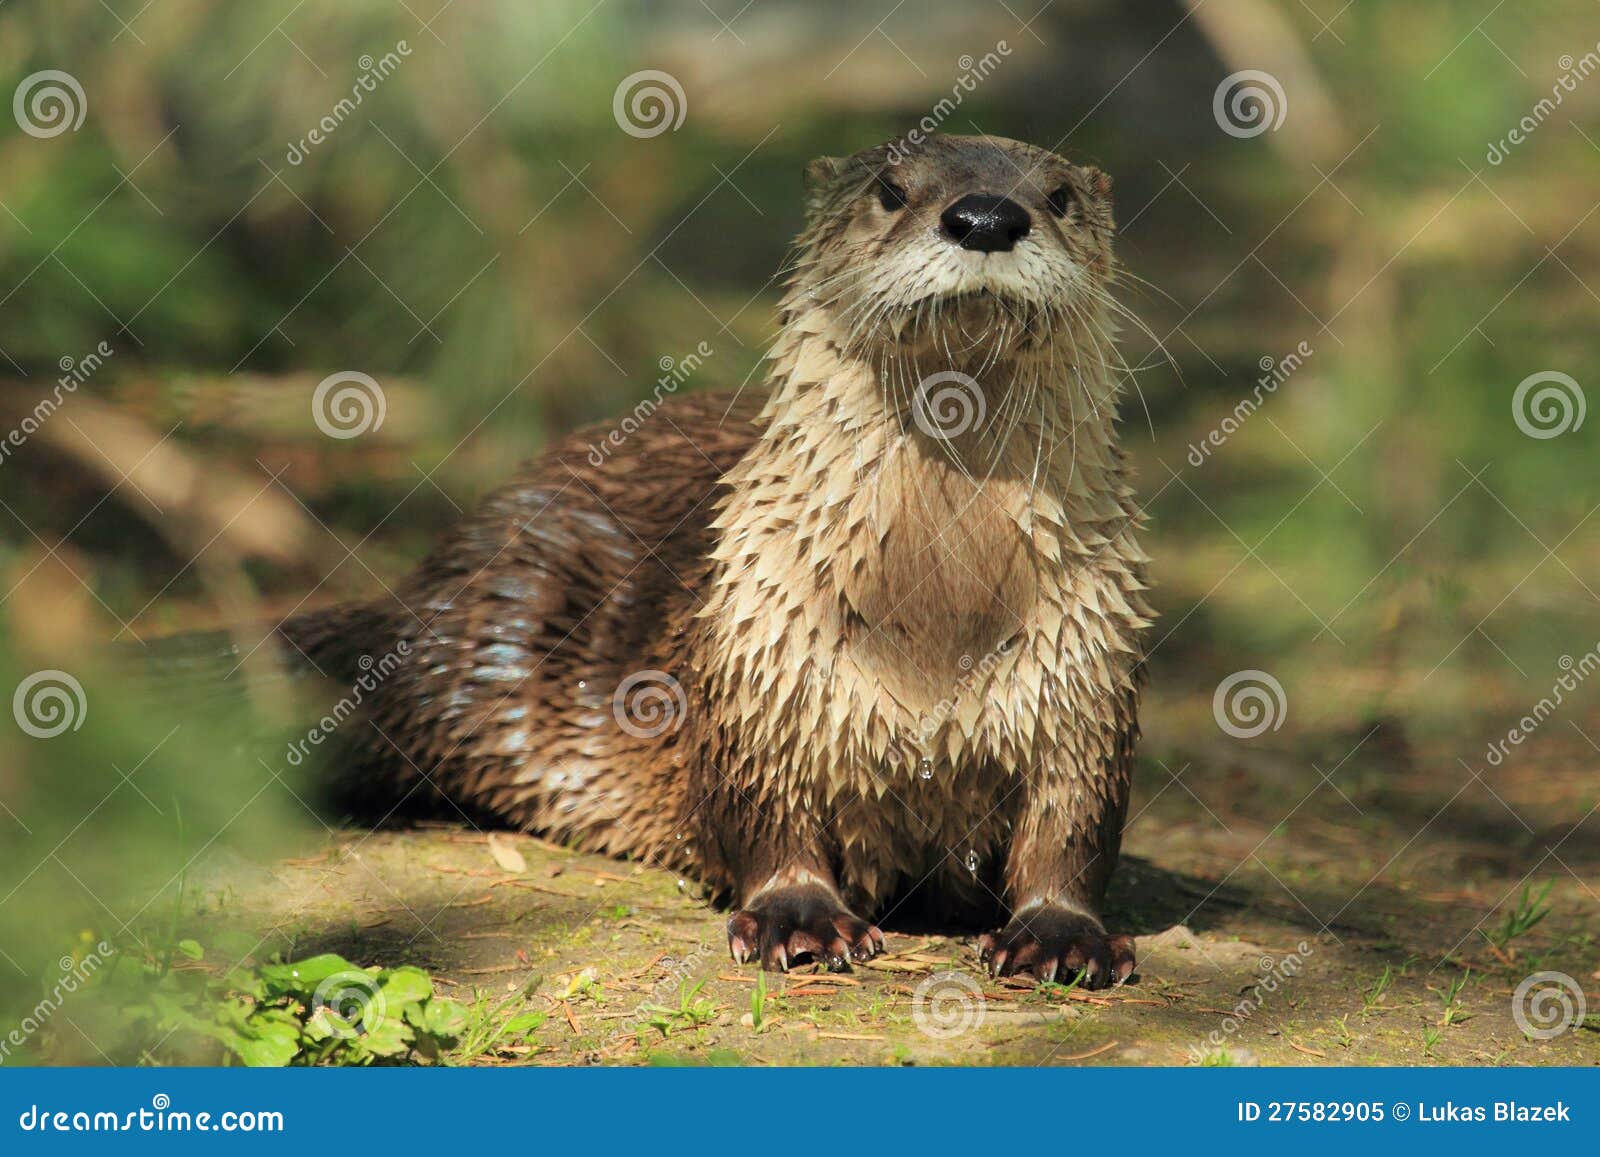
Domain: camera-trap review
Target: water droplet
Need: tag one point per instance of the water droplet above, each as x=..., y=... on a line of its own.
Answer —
x=925, y=768
x=972, y=861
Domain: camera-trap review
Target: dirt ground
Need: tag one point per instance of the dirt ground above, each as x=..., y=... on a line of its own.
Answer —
x=1339, y=897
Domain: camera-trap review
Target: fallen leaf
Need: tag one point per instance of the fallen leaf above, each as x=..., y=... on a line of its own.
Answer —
x=505, y=854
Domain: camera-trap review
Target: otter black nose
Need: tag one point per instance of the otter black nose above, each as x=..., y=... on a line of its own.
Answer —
x=986, y=223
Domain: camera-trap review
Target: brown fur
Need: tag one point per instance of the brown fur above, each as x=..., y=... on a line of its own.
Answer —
x=901, y=659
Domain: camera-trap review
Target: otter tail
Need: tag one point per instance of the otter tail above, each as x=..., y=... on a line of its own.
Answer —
x=200, y=666
x=308, y=670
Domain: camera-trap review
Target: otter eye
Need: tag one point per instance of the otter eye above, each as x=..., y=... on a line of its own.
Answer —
x=1061, y=200
x=890, y=195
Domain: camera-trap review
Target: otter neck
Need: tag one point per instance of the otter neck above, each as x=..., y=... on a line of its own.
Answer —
x=993, y=415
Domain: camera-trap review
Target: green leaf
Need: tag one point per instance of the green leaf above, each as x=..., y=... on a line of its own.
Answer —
x=191, y=949
x=390, y=1036
x=524, y=1023
x=400, y=985
x=448, y=1018
x=243, y=981
x=274, y=1046
x=304, y=976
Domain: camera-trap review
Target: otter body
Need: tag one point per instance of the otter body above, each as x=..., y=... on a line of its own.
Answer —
x=873, y=634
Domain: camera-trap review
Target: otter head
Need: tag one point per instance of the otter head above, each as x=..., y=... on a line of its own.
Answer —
x=971, y=246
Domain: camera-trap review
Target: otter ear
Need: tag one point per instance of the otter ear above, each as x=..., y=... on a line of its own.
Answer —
x=819, y=178
x=821, y=173
x=1099, y=183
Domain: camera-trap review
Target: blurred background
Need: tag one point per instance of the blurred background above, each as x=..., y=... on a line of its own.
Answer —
x=207, y=209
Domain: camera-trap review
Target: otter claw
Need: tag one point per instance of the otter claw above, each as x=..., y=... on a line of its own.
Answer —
x=804, y=922
x=1051, y=943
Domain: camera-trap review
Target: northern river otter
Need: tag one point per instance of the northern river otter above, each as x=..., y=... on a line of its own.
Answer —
x=876, y=631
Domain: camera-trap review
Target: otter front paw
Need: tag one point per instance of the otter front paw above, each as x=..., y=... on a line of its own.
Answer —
x=1054, y=943
x=786, y=925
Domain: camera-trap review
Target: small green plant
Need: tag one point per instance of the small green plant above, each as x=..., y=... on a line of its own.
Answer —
x=1371, y=996
x=1219, y=1059
x=585, y=986
x=693, y=1011
x=1342, y=1027
x=758, y=1003
x=1529, y=909
x=1052, y=989
x=323, y=1010
x=1450, y=997
x=490, y=1026
x=1430, y=1037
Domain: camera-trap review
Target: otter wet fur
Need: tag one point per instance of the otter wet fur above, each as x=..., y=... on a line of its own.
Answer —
x=876, y=633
